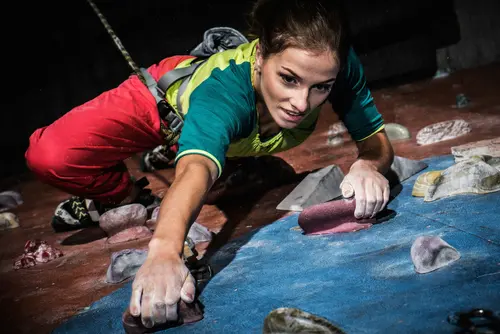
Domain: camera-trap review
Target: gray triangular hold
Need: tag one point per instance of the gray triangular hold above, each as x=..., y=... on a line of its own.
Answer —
x=316, y=188
x=403, y=168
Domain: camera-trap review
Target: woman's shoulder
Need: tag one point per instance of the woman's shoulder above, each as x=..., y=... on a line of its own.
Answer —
x=233, y=64
x=225, y=76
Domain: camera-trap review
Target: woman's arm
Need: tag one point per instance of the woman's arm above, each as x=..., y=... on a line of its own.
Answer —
x=194, y=176
x=376, y=151
x=163, y=279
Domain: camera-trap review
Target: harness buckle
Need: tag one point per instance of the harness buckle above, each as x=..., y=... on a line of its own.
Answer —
x=168, y=114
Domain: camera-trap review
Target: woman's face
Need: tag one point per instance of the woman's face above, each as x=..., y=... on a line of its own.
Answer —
x=294, y=82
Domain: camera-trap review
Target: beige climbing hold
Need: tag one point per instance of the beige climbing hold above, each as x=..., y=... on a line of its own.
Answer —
x=472, y=176
x=8, y=220
x=424, y=181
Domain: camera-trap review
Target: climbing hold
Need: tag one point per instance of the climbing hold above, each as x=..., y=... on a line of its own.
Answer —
x=125, y=264
x=442, y=131
x=489, y=147
x=424, y=181
x=122, y=218
x=396, y=132
x=472, y=176
x=403, y=168
x=292, y=320
x=462, y=101
x=429, y=253
x=332, y=217
x=335, y=132
x=8, y=220
x=9, y=200
x=129, y=234
x=36, y=251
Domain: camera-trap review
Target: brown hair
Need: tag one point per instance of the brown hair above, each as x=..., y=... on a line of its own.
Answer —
x=316, y=25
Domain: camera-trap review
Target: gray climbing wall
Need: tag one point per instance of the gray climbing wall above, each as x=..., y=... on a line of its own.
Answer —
x=480, y=36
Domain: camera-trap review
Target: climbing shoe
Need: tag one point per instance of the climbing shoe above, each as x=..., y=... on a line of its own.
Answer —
x=77, y=212
x=72, y=214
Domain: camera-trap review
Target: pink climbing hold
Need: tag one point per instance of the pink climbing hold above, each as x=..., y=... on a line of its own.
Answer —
x=332, y=217
x=151, y=222
x=129, y=234
x=122, y=218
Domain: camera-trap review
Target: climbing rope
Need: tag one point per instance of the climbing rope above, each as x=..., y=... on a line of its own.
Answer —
x=117, y=41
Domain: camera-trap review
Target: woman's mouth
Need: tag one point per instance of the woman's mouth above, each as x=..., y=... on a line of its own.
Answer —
x=292, y=116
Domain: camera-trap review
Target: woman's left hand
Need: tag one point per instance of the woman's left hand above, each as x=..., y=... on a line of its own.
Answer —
x=371, y=189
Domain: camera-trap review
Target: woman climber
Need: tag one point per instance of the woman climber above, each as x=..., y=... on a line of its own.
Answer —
x=260, y=98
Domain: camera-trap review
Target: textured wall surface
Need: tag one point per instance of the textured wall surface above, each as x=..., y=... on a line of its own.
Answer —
x=364, y=282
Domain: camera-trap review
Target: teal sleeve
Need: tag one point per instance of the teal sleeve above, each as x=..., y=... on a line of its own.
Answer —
x=219, y=112
x=352, y=100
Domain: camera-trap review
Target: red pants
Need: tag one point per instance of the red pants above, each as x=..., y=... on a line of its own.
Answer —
x=82, y=152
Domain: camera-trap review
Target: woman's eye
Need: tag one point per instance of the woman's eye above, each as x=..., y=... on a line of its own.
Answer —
x=324, y=88
x=288, y=79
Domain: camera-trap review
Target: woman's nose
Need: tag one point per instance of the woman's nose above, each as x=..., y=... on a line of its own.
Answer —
x=300, y=100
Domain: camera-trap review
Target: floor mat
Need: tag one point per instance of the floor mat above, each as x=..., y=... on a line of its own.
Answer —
x=364, y=282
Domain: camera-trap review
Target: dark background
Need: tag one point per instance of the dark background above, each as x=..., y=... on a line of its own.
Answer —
x=57, y=55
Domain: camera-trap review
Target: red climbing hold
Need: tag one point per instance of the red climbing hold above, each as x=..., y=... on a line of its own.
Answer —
x=36, y=251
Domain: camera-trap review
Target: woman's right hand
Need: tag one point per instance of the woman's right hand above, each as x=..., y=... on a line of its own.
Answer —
x=161, y=281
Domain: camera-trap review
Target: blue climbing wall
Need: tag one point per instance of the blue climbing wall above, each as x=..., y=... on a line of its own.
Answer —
x=364, y=281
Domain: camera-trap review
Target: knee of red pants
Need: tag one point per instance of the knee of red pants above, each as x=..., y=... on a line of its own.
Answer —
x=51, y=163
x=42, y=158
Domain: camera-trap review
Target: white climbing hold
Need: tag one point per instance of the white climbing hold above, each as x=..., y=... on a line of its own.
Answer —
x=442, y=131
x=396, y=132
